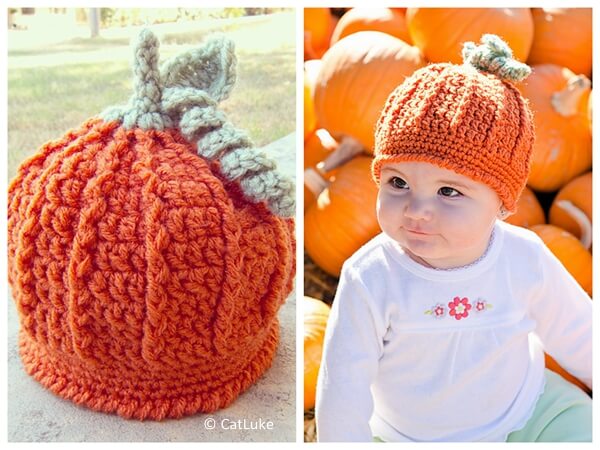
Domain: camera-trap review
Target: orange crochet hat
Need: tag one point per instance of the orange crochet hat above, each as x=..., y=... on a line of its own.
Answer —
x=468, y=118
x=151, y=248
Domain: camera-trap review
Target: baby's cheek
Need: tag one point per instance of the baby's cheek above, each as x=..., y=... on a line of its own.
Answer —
x=461, y=230
x=388, y=211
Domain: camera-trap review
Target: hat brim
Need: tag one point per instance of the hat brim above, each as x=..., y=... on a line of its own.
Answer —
x=144, y=399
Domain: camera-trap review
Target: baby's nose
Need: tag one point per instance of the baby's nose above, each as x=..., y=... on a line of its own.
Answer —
x=418, y=209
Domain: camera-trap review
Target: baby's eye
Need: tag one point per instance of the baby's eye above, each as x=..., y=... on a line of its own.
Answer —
x=398, y=183
x=449, y=192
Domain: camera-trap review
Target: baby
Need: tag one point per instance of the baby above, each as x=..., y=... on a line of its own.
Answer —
x=440, y=323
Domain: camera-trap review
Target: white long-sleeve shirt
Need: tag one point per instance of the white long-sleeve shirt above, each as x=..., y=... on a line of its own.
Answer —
x=402, y=361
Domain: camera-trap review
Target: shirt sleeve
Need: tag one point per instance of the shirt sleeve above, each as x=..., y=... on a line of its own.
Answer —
x=563, y=312
x=353, y=345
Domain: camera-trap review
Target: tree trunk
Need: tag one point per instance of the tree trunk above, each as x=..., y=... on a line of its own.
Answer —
x=94, y=20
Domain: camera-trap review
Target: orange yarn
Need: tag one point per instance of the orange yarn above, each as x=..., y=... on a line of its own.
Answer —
x=460, y=119
x=146, y=283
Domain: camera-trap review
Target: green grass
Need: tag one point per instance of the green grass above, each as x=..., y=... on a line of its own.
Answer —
x=75, y=45
x=264, y=100
x=44, y=102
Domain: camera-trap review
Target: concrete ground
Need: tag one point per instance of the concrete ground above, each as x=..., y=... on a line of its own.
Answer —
x=37, y=415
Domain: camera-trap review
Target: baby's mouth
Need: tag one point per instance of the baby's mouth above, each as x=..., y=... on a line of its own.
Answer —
x=417, y=231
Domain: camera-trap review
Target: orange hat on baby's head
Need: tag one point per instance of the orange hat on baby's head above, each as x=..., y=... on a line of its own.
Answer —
x=467, y=118
x=151, y=249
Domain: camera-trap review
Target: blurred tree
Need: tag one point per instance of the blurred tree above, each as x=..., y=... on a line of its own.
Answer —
x=94, y=22
x=11, y=13
x=106, y=16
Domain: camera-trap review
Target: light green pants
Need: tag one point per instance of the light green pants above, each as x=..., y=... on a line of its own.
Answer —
x=563, y=413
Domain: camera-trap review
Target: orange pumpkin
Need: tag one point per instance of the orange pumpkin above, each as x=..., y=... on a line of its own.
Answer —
x=316, y=313
x=318, y=26
x=590, y=111
x=311, y=70
x=567, y=248
x=317, y=147
x=441, y=32
x=309, y=52
x=563, y=144
x=571, y=209
x=357, y=75
x=386, y=20
x=310, y=119
x=563, y=37
x=324, y=155
x=555, y=367
x=343, y=217
x=529, y=211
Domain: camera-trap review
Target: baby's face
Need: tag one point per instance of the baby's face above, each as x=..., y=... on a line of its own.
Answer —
x=443, y=218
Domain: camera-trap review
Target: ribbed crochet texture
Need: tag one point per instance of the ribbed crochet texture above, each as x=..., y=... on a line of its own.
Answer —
x=468, y=118
x=146, y=278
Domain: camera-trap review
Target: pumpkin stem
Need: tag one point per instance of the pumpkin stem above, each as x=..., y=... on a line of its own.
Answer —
x=144, y=107
x=565, y=102
x=315, y=182
x=326, y=141
x=582, y=220
x=346, y=150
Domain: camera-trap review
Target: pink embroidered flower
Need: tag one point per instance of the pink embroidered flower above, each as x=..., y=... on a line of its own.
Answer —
x=480, y=305
x=459, y=308
x=439, y=311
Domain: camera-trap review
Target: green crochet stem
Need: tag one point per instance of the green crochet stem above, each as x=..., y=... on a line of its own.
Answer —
x=494, y=56
x=185, y=93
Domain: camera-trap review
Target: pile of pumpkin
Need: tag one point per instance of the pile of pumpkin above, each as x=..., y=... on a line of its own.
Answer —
x=355, y=57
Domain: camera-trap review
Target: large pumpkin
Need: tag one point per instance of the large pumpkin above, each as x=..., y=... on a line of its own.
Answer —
x=310, y=119
x=311, y=70
x=357, y=75
x=318, y=26
x=386, y=20
x=563, y=144
x=529, y=211
x=441, y=32
x=590, y=111
x=571, y=253
x=344, y=216
x=316, y=313
x=572, y=208
x=563, y=37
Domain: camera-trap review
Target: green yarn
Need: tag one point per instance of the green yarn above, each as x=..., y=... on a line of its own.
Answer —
x=185, y=94
x=494, y=56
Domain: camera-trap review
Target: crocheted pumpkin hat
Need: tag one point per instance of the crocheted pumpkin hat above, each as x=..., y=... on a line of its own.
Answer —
x=151, y=248
x=467, y=118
